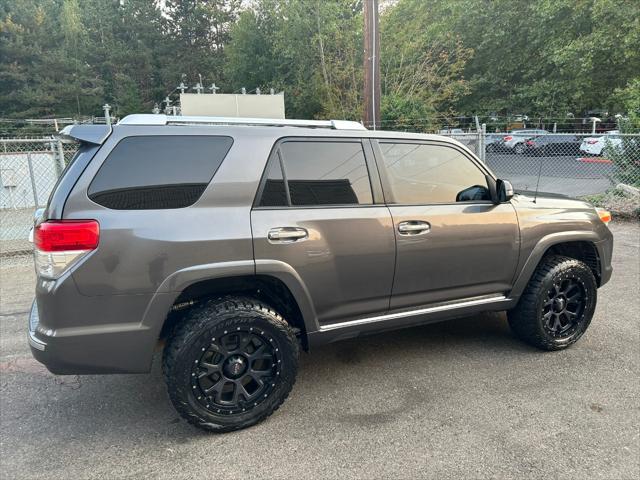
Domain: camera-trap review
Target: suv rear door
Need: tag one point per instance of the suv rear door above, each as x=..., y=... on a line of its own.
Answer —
x=316, y=215
x=453, y=243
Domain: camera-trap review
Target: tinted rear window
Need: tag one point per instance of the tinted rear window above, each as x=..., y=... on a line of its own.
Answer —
x=318, y=173
x=158, y=172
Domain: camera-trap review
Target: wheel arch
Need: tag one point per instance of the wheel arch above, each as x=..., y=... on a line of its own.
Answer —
x=581, y=245
x=281, y=289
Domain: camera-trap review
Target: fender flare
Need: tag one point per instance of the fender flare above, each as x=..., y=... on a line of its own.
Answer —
x=177, y=282
x=546, y=242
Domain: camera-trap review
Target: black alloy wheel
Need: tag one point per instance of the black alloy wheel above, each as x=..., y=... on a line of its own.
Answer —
x=563, y=308
x=230, y=363
x=236, y=371
x=557, y=305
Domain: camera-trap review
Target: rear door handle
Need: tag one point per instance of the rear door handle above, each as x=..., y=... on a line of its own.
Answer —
x=287, y=234
x=414, y=227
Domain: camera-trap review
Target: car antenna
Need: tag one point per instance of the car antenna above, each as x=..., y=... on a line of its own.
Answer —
x=535, y=196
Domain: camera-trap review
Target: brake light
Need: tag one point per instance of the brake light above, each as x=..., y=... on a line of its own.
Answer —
x=507, y=138
x=605, y=215
x=529, y=142
x=592, y=142
x=61, y=235
x=59, y=244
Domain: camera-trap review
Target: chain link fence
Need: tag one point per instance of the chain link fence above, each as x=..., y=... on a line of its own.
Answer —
x=29, y=169
x=571, y=164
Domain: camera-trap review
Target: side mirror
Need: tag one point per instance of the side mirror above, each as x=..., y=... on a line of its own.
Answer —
x=493, y=189
x=504, y=190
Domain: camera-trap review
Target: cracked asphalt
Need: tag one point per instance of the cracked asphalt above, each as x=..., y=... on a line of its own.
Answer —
x=462, y=399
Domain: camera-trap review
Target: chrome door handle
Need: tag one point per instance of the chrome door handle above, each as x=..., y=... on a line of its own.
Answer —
x=287, y=234
x=414, y=227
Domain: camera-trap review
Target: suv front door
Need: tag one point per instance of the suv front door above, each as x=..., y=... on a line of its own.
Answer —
x=316, y=216
x=452, y=242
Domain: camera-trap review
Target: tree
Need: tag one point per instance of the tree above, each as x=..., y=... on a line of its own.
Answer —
x=42, y=44
x=198, y=31
x=310, y=49
x=422, y=69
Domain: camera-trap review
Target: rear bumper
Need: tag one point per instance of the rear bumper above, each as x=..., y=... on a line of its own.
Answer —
x=111, y=348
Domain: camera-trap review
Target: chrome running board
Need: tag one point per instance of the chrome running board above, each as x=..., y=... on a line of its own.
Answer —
x=469, y=302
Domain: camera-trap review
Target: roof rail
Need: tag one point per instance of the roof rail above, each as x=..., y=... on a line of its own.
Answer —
x=151, y=119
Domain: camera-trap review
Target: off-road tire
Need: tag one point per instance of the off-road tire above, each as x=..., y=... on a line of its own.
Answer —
x=526, y=319
x=194, y=334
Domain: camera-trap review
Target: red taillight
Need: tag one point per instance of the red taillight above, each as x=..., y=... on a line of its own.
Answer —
x=65, y=235
x=507, y=138
x=530, y=143
x=592, y=142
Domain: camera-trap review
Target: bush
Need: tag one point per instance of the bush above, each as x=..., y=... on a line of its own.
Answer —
x=620, y=203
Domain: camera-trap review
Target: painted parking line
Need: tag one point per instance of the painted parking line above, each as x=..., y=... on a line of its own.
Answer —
x=593, y=160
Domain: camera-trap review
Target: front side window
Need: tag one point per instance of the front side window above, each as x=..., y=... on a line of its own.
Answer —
x=426, y=174
x=158, y=172
x=317, y=173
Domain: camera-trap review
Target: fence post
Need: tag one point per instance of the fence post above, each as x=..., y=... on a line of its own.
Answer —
x=33, y=179
x=482, y=135
x=60, y=163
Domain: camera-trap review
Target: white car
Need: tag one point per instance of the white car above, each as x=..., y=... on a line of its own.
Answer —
x=595, y=145
x=514, y=141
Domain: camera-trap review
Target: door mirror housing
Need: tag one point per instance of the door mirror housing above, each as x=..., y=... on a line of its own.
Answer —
x=499, y=190
x=504, y=190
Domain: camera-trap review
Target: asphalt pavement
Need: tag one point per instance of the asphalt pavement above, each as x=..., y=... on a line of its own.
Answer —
x=462, y=399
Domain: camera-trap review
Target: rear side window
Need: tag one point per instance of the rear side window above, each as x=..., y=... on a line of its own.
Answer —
x=158, y=172
x=317, y=173
x=421, y=174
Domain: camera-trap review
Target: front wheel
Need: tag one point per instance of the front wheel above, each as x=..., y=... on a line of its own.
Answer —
x=230, y=364
x=557, y=306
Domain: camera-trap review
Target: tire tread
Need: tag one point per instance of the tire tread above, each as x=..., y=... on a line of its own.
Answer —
x=198, y=319
x=523, y=318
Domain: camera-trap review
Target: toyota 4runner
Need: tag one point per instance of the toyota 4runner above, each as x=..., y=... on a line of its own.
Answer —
x=237, y=242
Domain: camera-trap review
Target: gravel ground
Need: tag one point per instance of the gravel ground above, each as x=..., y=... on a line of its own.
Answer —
x=462, y=399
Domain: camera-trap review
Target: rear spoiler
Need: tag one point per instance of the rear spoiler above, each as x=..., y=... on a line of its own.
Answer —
x=95, y=134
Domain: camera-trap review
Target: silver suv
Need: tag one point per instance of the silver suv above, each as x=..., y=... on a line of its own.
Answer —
x=234, y=243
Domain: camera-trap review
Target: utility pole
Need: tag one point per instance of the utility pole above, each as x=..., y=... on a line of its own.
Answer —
x=371, y=64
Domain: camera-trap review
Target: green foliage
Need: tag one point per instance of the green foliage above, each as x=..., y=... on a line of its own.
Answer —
x=626, y=159
x=309, y=49
x=439, y=58
x=629, y=100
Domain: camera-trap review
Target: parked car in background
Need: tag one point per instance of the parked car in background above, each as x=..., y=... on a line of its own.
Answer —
x=595, y=145
x=514, y=141
x=553, y=145
x=451, y=131
x=494, y=142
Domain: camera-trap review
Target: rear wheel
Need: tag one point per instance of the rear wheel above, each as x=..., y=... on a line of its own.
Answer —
x=557, y=306
x=230, y=364
x=519, y=148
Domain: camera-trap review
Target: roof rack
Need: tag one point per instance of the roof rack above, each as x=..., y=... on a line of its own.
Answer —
x=151, y=119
